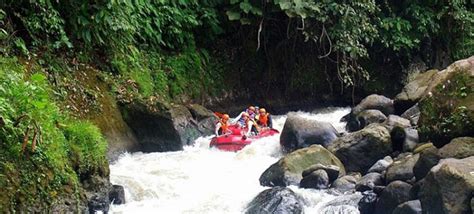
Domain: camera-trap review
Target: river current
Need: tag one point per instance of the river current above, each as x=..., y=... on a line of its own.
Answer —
x=203, y=180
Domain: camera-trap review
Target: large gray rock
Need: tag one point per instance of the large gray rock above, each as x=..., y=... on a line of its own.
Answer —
x=299, y=132
x=275, y=200
x=346, y=183
x=288, y=170
x=414, y=91
x=369, y=182
x=394, y=194
x=428, y=158
x=163, y=127
x=401, y=169
x=448, y=187
x=412, y=114
x=374, y=101
x=317, y=179
x=360, y=150
x=331, y=170
x=461, y=147
x=409, y=207
x=381, y=165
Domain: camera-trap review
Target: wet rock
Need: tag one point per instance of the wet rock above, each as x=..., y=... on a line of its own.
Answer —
x=117, y=195
x=411, y=139
x=97, y=187
x=367, y=203
x=461, y=147
x=275, y=200
x=374, y=101
x=394, y=194
x=412, y=114
x=360, y=150
x=401, y=169
x=299, y=132
x=346, y=183
x=199, y=112
x=345, y=204
x=369, y=181
x=449, y=186
x=317, y=179
x=162, y=127
x=415, y=190
x=428, y=158
x=364, y=118
x=288, y=170
x=414, y=91
x=331, y=170
x=409, y=207
x=381, y=165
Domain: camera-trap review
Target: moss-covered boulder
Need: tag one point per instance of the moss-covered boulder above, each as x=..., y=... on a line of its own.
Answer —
x=447, y=111
x=288, y=170
x=360, y=150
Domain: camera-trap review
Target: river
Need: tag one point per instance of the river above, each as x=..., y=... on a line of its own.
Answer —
x=203, y=180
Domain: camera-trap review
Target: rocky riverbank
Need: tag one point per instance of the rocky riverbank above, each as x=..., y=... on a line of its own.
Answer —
x=410, y=154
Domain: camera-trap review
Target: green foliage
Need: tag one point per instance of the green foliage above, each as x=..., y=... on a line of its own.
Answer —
x=448, y=112
x=87, y=146
x=32, y=136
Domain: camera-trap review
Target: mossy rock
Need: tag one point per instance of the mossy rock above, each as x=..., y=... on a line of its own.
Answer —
x=447, y=111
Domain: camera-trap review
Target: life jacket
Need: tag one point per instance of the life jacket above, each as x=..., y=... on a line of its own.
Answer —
x=224, y=126
x=263, y=119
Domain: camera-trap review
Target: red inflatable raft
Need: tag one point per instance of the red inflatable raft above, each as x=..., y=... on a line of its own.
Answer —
x=234, y=141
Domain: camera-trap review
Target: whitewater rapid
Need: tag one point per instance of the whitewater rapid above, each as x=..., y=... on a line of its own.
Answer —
x=203, y=180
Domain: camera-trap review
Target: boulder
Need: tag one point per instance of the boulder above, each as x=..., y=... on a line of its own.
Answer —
x=428, y=158
x=394, y=194
x=97, y=189
x=275, y=200
x=409, y=207
x=401, y=169
x=447, y=111
x=396, y=121
x=448, y=187
x=369, y=181
x=461, y=147
x=414, y=91
x=364, y=118
x=299, y=132
x=331, y=170
x=117, y=195
x=360, y=150
x=288, y=170
x=374, y=101
x=367, y=202
x=346, y=183
x=317, y=179
x=370, y=116
x=412, y=114
x=381, y=165
x=404, y=139
x=161, y=127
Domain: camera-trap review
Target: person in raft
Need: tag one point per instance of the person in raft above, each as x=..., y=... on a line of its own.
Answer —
x=249, y=128
x=222, y=126
x=264, y=120
x=239, y=119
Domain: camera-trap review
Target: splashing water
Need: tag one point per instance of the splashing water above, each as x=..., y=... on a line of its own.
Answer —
x=203, y=180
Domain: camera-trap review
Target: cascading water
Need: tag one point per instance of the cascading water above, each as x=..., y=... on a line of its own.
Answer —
x=203, y=180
